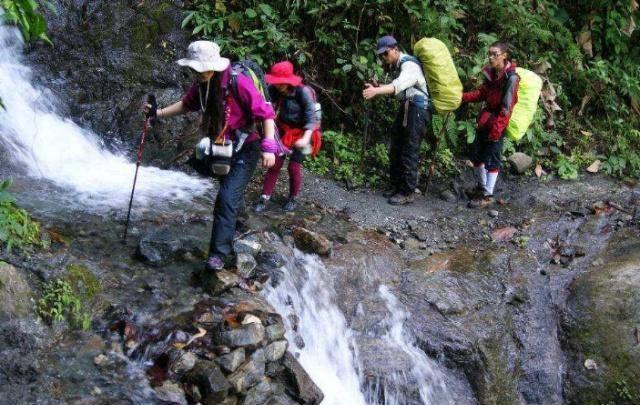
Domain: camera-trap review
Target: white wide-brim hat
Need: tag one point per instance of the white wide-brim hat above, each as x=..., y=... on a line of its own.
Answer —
x=204, y=56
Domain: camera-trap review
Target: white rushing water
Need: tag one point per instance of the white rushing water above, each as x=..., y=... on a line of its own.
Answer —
x=47, y=146
x=304, y=296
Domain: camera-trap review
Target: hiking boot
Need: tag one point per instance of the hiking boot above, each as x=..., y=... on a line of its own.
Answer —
x=290, y=205
x=214, y=263
x=401, y=199
x=481, y=202
x=390, y=192
x=261, y=205
x=475, y=193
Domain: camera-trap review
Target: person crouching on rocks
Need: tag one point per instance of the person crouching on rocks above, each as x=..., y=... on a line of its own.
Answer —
x=500, y=93
x=299, y=128
x=226, y=112
x=414, y=115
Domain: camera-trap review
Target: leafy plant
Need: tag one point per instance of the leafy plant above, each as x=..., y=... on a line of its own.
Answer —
x=59, y=303
x=567, y=169
x=16, y=227
x=26, y=15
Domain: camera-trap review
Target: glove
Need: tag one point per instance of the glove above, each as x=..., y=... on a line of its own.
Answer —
x=151, y=109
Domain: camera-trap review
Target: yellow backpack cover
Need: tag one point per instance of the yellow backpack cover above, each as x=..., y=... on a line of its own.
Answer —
x=442, y=76
x=524, y=110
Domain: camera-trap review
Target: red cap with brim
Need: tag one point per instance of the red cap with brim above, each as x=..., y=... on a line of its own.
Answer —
x=282, y=73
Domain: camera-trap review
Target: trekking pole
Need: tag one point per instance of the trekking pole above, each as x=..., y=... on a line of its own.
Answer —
x=151, y=99
x=432, y=166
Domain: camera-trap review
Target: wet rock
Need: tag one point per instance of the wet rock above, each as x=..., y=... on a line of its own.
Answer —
x=212, y=384
x=247, y=246
x=259, y=394
x=100, y=360
x=15, y=293
x=218, y=282
x=275, y=350
x=520, y=162
x=171, y=393
x=603, y=308
x=249, y=374
x=311, y=242
x=230, y=362
x=184, y=363
x=250, y=335
x=493, y=213
x=297, y=382
x=246, y=265
x=275, y=331
x=159, y=246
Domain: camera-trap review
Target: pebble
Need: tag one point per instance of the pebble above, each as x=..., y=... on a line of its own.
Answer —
x=100, y=359
x=493, y=213
x=590, y=364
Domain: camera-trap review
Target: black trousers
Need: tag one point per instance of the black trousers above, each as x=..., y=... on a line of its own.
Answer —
x=405, y=146
x=486, y=151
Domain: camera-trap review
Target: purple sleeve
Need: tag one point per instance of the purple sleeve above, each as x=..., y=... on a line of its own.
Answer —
x=250, y=97
x=191, y=99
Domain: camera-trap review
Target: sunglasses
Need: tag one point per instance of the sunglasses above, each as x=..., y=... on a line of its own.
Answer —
x=383, y=54
x=494, y=54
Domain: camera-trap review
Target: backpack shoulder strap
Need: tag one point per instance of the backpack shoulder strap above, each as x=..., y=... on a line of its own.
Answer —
x=411, y=58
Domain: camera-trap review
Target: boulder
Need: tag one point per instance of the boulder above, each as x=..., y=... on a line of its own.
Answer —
x=249, y=374
x=171, y=393
x=520, y=162
x=311, y=242
x=297, y=382
x=275, y=350
x=246, y=265
x=15, y=293
x=250, y=247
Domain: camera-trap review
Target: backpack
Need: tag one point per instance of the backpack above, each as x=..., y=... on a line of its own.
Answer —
x=441, y=74
x=524, y=110
x=252, y=70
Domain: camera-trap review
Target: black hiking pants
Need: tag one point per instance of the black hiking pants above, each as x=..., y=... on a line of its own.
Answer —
x=405, y=145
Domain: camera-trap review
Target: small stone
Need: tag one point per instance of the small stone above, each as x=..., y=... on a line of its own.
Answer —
x=246, y=246
x=171, y=393
x=248, y=374
x=299, y=342
x=597, y=262
x=185, y=363
x=448, y=196
x=230, y=362
x=96, y=391
x=520, y=162
x=100, y=359
x=590, y=364
x=246, y=335
x=251, y=319
x=211, y=383
x=275, y=350
x=493, y=213
x=312, y=242
x=259, y=394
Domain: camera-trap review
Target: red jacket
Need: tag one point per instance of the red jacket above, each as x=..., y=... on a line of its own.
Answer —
x=500, y=94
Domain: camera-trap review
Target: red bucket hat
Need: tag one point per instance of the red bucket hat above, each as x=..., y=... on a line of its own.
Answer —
x=282, y=73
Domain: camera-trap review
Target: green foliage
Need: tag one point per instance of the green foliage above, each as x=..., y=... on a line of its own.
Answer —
x=26, y=15
x=60, y=303
x=16, y=227
x=332, y=44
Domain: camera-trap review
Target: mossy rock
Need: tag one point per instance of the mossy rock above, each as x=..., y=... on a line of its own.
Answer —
x=15, y=293
x=84, y=283
x=601, y=325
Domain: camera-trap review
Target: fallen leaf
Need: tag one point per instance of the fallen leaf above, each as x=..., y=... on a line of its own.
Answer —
x=201, y=333
x=503, y=234
x=584, y=40
x=538, y=170
x=501, y=201
x=586, y=133
x=631, y=26
x=594, y=167
x=231, y=318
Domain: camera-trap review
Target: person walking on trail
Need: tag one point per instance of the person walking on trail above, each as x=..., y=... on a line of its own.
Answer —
x=500, y=93
x=413, y=118
x=228, y=113
x=299, y=129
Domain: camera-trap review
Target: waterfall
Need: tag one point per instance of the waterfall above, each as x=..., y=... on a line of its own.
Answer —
x=49, y=147
x=328, y=349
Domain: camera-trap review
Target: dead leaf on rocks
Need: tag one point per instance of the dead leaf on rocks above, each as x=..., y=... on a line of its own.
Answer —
x=584, y=40
x=201, y=333
x=503, y=234
x=594, y=167
x=438, y=266
x=539, y=171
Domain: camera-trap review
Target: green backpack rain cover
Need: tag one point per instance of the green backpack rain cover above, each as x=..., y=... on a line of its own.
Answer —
x=524, y=110
x=442, y=76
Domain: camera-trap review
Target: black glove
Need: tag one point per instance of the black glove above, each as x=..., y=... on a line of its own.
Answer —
x=152, y=111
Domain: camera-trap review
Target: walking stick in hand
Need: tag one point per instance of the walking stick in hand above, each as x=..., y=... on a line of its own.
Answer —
x=151, y=99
